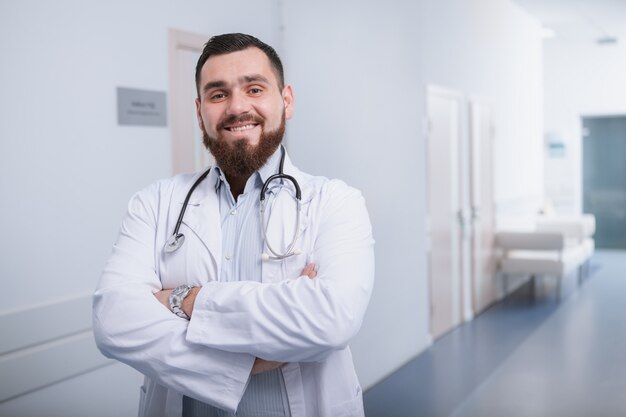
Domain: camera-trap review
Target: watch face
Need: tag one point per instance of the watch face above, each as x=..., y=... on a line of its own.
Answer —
x=180, y=290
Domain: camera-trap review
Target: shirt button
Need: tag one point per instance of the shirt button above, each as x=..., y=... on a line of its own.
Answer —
x=227, y=257
x=233, y=212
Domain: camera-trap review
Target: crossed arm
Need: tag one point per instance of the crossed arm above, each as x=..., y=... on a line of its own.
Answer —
x=212, y=356
x=260, y=365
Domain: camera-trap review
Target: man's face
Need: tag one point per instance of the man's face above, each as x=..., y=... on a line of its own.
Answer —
x=240, y=102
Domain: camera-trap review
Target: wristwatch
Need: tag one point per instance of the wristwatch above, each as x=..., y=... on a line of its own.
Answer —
x=176, y=300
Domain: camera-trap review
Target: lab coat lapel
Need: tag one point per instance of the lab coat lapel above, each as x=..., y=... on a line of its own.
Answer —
x=203, y=216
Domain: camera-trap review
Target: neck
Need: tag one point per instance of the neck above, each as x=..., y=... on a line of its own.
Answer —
x=237, y=184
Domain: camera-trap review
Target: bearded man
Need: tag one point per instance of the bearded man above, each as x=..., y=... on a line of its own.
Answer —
x=230, y=305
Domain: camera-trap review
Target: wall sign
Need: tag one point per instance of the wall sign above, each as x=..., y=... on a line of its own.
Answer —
x=141, y=107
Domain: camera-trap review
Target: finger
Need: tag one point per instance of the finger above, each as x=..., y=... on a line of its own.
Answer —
x=310, y=271
x=307, y=269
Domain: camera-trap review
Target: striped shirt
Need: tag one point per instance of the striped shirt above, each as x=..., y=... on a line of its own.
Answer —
x=242, y=246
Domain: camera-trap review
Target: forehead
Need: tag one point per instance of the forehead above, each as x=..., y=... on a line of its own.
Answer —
x=232, y=66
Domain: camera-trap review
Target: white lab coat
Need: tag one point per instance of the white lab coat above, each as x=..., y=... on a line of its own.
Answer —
x=305, y=323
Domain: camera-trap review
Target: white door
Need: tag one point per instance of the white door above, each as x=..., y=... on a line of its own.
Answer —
x=482, y=205
x=444, y=208
x=188, y=151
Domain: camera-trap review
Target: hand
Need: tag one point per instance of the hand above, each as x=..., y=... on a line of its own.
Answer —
x=309, y=271
x=261, y=365
x=164, y=298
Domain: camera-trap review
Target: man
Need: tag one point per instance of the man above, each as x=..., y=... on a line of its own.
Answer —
x=246, y=313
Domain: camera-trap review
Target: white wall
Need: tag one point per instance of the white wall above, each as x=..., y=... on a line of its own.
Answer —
x=66, y=166
x=67, y=170
x=579, y=80
x=359, y=71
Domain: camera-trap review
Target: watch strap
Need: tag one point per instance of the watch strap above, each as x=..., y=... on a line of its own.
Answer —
x=176, y=300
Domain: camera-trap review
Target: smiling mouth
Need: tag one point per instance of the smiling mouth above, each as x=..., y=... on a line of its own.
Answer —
x=240, y=128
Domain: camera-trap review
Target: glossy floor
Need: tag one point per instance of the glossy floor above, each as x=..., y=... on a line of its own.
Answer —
x=525, y=356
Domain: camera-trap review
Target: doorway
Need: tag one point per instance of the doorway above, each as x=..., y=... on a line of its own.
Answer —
x=188, y=151
x=604, y=178
x=444, y=173
x=483, y=257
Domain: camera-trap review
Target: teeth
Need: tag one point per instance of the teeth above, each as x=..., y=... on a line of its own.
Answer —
x=240, y=128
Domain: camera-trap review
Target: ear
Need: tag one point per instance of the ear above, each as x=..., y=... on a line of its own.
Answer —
x=288, y=101
x=199, y=115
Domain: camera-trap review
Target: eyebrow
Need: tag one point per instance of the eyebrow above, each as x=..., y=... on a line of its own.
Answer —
x=243, y=80
x=253, y=78
x=213, y=84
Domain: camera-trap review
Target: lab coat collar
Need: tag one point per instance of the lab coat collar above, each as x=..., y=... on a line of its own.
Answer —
x=290, y=169
x=305, y=181
x=271, y=166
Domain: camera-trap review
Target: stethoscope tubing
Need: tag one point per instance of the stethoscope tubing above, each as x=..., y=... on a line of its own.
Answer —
x=177, y=238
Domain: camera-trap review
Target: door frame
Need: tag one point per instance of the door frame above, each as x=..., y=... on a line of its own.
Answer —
x=461, y=290
x=183, y=137
x=483, y=284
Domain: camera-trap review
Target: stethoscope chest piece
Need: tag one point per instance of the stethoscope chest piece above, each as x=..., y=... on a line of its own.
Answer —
x=174, y=242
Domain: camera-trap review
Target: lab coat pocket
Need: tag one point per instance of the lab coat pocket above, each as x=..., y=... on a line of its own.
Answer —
x=275, y=270
x=292, y=267
x=280, y=237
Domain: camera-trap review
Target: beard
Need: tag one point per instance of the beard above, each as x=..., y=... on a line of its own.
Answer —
x=239, y=158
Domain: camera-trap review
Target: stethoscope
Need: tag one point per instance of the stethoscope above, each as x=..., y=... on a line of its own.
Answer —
x=177, y=239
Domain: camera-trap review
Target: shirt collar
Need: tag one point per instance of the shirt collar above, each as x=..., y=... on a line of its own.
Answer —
x=271, y=166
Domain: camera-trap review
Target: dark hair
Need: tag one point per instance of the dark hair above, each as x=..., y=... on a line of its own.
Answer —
x=234, y=42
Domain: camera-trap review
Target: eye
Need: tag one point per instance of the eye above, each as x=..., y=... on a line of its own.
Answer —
x=255, y=91
x=218, y=96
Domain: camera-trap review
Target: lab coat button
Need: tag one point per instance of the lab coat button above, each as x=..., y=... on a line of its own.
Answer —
x=227, y=257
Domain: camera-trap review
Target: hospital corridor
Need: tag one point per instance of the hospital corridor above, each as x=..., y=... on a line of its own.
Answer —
x=339, y=208
x=525, y=356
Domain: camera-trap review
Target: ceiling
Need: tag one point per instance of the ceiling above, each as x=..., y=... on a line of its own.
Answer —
x=581, y=21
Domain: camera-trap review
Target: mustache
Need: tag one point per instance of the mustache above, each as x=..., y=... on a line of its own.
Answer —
x=242, y=118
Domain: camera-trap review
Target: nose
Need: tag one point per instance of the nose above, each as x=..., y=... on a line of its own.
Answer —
x=238, y=103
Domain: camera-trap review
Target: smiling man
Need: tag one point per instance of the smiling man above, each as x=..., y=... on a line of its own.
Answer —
x=236, y=291
x=242, y=106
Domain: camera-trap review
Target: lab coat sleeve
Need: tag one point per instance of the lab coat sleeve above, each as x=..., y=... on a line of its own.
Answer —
x=132, y=326
x=301, y=319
